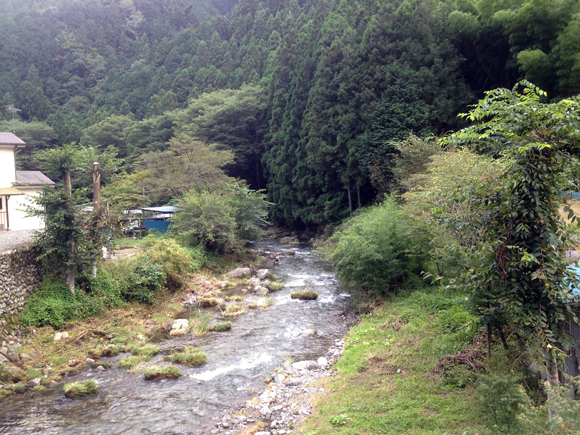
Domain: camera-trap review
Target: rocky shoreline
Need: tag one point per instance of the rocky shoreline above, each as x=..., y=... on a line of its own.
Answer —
x=286, y=400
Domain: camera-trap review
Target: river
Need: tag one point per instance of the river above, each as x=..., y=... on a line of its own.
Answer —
x=238, y=361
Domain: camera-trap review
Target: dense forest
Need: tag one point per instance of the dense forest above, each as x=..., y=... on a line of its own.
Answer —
x=308, y=96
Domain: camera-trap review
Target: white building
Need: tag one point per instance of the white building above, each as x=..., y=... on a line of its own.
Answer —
x=17, y=188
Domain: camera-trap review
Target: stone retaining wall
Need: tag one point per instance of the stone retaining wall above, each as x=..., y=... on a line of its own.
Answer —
x=19, y=278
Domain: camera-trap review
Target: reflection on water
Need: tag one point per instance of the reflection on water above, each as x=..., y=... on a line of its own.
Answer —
x=238, y=361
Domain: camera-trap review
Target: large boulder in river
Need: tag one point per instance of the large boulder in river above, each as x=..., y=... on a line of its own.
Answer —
x=180, y=327
x=240, y=272
x=261, y=290
x=262, y=274
x=16, y=373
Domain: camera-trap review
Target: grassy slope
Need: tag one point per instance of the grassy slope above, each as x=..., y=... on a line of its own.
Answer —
x=368, y=396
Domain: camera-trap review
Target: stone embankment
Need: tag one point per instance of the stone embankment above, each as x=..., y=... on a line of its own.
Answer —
x=285, y=402
x=19, y=278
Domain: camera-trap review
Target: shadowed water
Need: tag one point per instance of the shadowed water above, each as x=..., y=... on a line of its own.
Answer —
x=238, y=361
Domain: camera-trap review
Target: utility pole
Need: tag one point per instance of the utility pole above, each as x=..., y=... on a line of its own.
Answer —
x=96, y=206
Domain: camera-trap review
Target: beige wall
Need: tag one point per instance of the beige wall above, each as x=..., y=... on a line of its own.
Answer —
x=17, y=206
x=7, y=166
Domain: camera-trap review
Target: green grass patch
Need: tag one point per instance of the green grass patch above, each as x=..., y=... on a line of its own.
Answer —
x=199, y=322
x=169, y=372
x=76, y=390
x=133, y=361
x=275, y=286
x=386, y=382
x=139, y=349
x=221, y=327
x=190, y=356
x=304, y=295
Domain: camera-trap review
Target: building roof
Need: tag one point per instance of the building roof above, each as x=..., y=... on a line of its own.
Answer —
x=11, y=139
x=164, y=209
x=31, y=178
x=9, y=191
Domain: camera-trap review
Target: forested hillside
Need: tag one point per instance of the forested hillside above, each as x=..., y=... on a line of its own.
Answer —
x=308, y=95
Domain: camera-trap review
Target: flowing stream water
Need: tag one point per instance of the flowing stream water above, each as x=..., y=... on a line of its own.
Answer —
x=238, y=361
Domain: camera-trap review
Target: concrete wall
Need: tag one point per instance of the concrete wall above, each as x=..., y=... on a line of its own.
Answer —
x=19, y=278
x=7, y=166
x=18, y=205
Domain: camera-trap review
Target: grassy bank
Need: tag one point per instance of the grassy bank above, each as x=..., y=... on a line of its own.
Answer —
x=387, y=382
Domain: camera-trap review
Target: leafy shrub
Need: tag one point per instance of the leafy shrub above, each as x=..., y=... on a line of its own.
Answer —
x=169, y=372
x=53, y=304
x=75, y=390
x=499, y=395
x=535, y=420
x=373, y=251
x=221, y=221
x=147, y=279
x=175, y=260
x=207, y=219
x=191, y=356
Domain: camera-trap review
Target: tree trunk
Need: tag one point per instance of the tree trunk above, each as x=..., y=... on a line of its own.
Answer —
x=554, y=381
x=349, y=200
x=67, y=182
x=358, y=195
x=489, y=335
x=70, y=270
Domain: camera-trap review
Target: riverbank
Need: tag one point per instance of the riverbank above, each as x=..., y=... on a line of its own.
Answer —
x=265, y=332
x=390, y=381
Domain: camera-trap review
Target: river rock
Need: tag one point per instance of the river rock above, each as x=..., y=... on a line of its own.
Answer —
x=16, y=373
x=52, y=384
x=279, y=378
x=180, y=327
x=34, y=354
x=305, y=365
x=33, y=382
x=262, y=433
x=260, y=290
x=240, y=272
x=308, y=333
x=223, y=284
x=263, y=274
x=322, y=362
x=12, y=357
x=100, y=369
x=3, y=359
x=90, y=361
x=20, y=390
x=253, y=281
x=3, y=351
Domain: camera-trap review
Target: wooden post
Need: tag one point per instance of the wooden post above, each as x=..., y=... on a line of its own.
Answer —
x=96, y=186
x=96, y=205
x=7, y=214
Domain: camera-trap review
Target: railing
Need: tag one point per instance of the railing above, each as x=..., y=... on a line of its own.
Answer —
x=3, y=221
